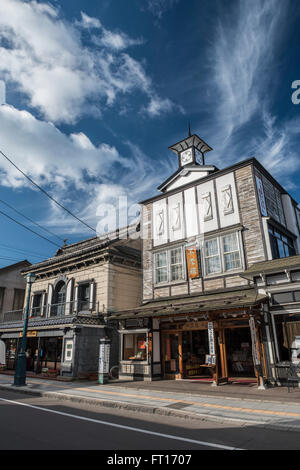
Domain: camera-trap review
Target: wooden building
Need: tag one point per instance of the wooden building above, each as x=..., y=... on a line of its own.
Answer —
x=200, y=318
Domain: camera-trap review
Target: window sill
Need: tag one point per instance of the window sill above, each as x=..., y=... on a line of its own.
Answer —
x=223, y=274
x=133, y=361
x=169, y=284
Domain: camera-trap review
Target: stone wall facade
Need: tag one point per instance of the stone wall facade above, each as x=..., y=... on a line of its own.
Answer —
x=253, y=245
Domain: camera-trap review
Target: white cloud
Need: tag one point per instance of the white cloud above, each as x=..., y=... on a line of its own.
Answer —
x=241, y=55
x=88, y=21
x=242, y=124
x=2, y=92
x=159, y=7
x=61, y=76
x=115, y=40
x=76, y=172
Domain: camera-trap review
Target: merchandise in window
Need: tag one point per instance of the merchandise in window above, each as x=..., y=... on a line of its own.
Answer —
x=135, y=347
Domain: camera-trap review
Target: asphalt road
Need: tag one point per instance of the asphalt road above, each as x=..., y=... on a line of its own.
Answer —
x=37, y=423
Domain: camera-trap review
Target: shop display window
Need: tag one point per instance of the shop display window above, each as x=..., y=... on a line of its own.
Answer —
x=135, y=347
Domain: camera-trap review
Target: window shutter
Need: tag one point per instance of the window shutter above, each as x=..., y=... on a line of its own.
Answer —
x=92, y=296
x=30, y=305
x=49, y=300
x=75, y=308
x=69, y=294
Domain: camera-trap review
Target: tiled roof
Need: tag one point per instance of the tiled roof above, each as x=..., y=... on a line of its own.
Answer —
x=200, y=303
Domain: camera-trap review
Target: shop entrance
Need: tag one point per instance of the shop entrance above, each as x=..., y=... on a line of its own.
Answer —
x=40, y=353
x=171, y=355
x=239, y=352
x=194, y=351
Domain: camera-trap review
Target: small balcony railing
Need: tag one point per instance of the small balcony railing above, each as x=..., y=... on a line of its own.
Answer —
x=49, y=311
x=12, y=316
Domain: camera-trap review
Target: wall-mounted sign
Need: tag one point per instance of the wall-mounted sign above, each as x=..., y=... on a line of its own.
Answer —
x=69, y=350
x=192, y=262
x=211, y=338
x=104, y=354
x=261, y=196
x=194, y=325
x=29, y=334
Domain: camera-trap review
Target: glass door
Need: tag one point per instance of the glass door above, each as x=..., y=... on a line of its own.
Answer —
x=171, y=355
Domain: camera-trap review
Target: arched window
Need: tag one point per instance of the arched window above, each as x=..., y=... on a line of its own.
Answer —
x=59, y=299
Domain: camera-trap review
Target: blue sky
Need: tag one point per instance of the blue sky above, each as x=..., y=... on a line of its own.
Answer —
x=96, y=92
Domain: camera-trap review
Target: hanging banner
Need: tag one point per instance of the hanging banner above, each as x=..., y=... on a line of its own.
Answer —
x=192, y=262
x=254, y=341
x=261, y=196
x=211, y=338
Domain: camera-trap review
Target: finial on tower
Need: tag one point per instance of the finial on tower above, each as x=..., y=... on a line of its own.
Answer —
x=190, y=129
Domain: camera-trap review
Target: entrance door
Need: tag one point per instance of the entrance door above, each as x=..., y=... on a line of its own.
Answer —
x=50, y=353
x=194, y=349
x=171, y=355
x=239, y=352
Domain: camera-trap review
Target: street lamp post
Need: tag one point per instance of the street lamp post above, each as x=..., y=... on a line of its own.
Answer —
x=20, y=374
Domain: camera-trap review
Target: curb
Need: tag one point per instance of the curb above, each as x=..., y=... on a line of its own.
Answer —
x=222, y=397
x=162, y=411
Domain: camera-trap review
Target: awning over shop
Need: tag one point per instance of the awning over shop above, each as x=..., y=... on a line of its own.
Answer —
x=272, y=266
x=192, y=304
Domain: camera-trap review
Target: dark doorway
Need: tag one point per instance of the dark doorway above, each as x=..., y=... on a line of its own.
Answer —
x=239, y=352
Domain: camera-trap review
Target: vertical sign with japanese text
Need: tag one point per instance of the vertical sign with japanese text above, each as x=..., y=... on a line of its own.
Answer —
x=211, y=338
x=192, y=262
x=254, y=341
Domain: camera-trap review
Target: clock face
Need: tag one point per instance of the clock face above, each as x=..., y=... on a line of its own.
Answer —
x=186, y=156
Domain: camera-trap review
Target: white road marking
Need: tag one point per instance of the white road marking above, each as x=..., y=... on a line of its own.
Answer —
x=121, y=426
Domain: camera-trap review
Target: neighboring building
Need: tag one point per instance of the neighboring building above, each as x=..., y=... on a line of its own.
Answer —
x=74, y=292
x=12, y=292
x=199, y=316
x=12, y=287
x=280, y=280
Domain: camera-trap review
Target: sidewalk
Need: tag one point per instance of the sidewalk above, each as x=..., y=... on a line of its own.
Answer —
x=273, y=408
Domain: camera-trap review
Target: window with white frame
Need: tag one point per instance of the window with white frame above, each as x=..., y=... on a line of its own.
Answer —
x=161, y=267
x=176, y=264
x=231, y=252
x=169, y=265
x=212, y=256
x=222, y=254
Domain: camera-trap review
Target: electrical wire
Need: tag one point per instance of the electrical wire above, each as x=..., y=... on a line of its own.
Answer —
x=29, y=229
x=27, y=252
x=30, y=220
x=46, y=193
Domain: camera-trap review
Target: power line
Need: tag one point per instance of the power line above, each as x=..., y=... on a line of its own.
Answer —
x=31, y=253
x=27, y=228
x=46, y=193
x=30, y=220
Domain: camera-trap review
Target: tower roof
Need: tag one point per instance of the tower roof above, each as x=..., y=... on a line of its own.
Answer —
x=190, y=141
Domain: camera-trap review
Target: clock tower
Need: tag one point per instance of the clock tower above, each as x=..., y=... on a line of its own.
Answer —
x=191, y=150
x=191, y=162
